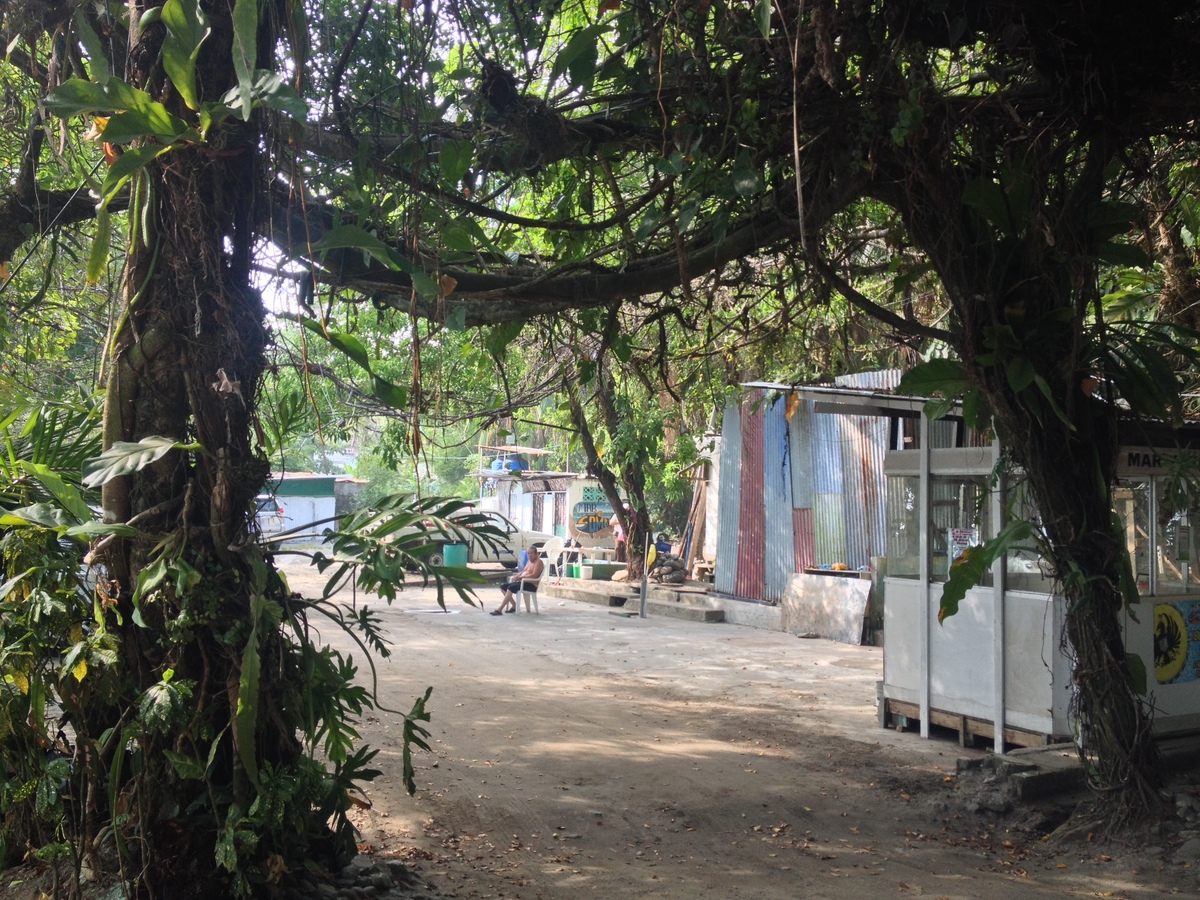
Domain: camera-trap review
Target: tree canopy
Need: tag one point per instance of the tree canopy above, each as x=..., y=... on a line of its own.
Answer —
x=645, y=181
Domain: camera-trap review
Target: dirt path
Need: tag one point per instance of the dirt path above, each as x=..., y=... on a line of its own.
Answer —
x=576, y=753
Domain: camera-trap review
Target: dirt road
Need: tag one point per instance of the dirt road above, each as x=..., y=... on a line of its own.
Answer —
x=580, y=754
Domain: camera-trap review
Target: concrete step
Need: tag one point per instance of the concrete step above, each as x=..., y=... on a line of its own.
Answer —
x=609, y=595
x=690, y=611
x=690, y=605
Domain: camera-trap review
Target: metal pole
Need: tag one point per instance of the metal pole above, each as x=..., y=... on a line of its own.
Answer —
x=645, y=576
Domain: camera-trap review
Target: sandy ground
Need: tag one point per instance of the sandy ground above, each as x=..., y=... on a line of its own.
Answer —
x=575, y=753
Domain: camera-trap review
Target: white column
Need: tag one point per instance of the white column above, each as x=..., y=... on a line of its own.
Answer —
x=923, y=650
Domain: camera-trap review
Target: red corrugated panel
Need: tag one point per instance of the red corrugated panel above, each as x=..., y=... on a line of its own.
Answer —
x=752, y=515
x=806, y=547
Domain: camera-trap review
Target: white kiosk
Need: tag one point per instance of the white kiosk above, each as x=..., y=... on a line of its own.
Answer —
x=999, y=665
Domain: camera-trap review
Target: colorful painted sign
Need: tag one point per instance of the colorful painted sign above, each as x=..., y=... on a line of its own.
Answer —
x=591, y=517
x=1177, y=642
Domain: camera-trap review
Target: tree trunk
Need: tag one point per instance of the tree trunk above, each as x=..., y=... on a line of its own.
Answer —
x=1065, y=470
x=186, y=364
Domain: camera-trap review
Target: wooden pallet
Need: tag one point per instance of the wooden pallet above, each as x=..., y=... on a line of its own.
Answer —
x=905, y=716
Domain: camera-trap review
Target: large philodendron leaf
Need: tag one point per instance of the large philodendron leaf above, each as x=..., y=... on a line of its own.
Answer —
x=968, y=569
x=124, y=458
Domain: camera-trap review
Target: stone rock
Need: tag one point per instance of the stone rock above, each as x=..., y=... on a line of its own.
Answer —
x=1189, y=851
x=381, y=882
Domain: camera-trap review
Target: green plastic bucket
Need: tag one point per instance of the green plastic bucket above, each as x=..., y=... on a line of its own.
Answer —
x=455, y=554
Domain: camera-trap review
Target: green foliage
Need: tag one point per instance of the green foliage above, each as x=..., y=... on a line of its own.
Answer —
x=53, y=659
x=968, y=569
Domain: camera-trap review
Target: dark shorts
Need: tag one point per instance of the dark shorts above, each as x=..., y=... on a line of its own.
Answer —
x=515, y=586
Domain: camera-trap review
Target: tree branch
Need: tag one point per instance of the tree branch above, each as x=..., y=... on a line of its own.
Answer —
x=873, y=309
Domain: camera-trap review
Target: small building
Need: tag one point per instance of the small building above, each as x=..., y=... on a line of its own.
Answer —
x=307, y=498
x=800, y=505
x=888, y=489
x=565, y=504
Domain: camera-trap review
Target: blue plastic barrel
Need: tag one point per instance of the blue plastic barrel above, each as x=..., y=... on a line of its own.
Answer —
x=455, y=554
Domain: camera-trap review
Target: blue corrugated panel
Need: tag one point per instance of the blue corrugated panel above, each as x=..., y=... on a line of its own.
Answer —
x=779, y=546
x=728, y=517
x=826, y=454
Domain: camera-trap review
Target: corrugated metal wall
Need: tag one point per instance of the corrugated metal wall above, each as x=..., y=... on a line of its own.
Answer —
x=780, y=556
x=725, y=576
x=800, y=440
x=752, y=517
x=864, y=503
x=829, y=532
x=798, y=492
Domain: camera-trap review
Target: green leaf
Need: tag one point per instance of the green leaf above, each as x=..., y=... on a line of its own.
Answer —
x=149, y=579
x=186, y=577
x=67, y=495
x=354, y=349
x=77, y=95
x=455, y=237
x=101, y=243
x=187, y=27
x=245, y=722
x=94, y=47
x=89, y=530
x=1137, y=672
x=391, y=394
x=245, y=51
x=649, y=224
x=269, y=89
x=936, y=409
x=42, y=515
x=186, y=767
x=937, y=376
x=1119, y=254
x=1020, y=374
x=1108, y=218
x=129, y=163
x=456, y=318
x=579, y=56
x=969, y=568
x=498, y=337
x=747, y=182
x=454, y=159
x=126, y=127
x=124, y=458
x=762, y=15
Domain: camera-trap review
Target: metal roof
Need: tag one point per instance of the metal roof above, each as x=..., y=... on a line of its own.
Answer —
x=854, y=401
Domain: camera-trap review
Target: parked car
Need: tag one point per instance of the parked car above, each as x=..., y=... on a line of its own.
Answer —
x=268, y=514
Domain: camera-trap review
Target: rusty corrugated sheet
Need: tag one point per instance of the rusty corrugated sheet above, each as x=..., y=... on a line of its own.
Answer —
x=729, y=499
x=802, y=526
x=779, y=558
x=751, y=511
